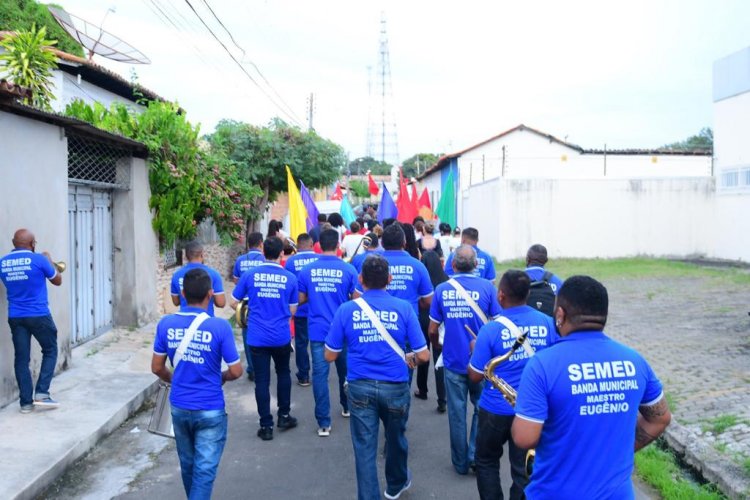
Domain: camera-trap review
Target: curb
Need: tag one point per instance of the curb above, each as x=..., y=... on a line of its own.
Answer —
x=46, y=478
x=700, y=456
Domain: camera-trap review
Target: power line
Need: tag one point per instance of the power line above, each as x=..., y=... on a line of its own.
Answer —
x=249, y=76
x=225, y=28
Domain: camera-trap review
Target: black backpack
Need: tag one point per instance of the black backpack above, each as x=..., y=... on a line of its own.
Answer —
x=541, y=295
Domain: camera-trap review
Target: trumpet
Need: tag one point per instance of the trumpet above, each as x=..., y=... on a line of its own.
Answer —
x=61, y=266
x=508, y=392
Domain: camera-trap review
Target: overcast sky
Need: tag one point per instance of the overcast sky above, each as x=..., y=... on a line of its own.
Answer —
x=628, y=74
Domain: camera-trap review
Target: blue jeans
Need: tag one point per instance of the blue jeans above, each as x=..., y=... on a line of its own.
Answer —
x=249, y=368
x=321, y=394
x=301, y=357
x=457, y=388
x=371, y=401
x=43, y=329
x=262, y=362
x=200, y=436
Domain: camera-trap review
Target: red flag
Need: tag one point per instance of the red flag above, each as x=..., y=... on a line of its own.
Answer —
x=337, y=195
x=414, y=200
x=424, y=200
x=372, y=185
x=405, y=211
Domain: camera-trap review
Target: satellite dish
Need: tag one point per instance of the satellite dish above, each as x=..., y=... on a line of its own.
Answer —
x=98, y=41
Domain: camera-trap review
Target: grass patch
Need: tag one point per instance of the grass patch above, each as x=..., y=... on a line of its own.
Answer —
x=721, y=447
x=672, y=401
x=659, y=468
x=635, y=267
x=719, y=424
x=746, y=465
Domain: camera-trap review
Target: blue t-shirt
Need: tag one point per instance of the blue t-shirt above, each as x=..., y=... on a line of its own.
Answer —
x=196, y=384
x=485, y=265
x=448, y=307
x=216, y=283
x=369, y=357
x=359, y=259
x=294, y=265
x=25, y=274
x=494, y=339
x=247, y=261
x=586, y=390
x=535, y=274
x=270, y=290
x=410, y=281
x=328, y=283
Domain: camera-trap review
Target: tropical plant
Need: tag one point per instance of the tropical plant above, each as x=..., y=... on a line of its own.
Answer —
x=20, y=15
x=28, y=63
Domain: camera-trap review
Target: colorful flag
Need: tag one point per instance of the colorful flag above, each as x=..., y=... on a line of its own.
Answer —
x=337, y=195
x=414, y=200
x=446, y=209
x=312, y=210
x=297, y=211
x=372, y=185
x=387, y=209
x=406, y=212
x=346, y=211
x=425, y=206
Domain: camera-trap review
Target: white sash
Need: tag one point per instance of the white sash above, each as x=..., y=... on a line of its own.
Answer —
x=516, y=332
x=187, y=338
x=380, y=327
x=467, y=298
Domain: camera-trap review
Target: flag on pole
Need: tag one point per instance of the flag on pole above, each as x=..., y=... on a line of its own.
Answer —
x=347, y=213
x=406, y=211
x=372, y=185
x=387, y=208
x=337, y=195
x=312, y=210
x=297, y=211
x=414, y=200
x=425, y=206
x=446, y=209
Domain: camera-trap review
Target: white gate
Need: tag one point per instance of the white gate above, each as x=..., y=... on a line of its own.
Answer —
x=91, y=262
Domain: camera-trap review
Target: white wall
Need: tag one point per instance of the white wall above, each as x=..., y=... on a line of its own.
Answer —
x=67, y=89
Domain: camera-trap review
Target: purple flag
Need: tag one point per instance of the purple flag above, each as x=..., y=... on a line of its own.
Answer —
x=387, y=209
x=312, y=210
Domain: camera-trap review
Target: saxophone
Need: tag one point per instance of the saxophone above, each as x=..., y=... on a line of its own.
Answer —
x=508, y=392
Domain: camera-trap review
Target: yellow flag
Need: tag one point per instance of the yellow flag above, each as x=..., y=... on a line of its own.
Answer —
x=297, y=211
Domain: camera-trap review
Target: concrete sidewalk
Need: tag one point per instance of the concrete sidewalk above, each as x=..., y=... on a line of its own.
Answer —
x=110, y=378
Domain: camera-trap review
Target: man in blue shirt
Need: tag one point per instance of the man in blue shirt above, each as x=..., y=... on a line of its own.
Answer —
x=586, y=403
x=370, y=243
x=272, y=297
x=315, y=232
x=485, y=265
x=24, y=274
x=378, y=375
x=495, y=414
x=536, y=259
x=254, y=257
x=199, y=418
x=451, y=307
x=294, y=265
x=325, y=285
x=194, y=255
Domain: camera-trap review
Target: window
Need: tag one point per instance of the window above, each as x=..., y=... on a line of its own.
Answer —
x=729, y=178
x=735, y=179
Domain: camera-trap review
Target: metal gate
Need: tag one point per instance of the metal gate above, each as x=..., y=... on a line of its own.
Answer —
x=91, y=261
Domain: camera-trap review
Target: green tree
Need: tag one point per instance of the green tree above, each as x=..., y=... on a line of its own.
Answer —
x=28, y=62
x=418, y=163
x=360, y=166
x=21, y=15
x=261, y=154
x=703, y=141
x=360, y=189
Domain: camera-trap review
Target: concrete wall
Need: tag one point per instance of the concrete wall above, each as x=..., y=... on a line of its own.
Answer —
x=593, y=218
x=68, y=88
x=34, y=195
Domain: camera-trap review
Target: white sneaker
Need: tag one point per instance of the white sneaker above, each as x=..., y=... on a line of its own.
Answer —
x=345, y=413
x=324, y=431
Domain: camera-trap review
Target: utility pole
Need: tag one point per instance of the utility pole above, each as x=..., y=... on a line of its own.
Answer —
x=310, y=111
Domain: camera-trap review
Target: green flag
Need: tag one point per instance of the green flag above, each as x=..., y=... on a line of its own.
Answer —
x=446, y=209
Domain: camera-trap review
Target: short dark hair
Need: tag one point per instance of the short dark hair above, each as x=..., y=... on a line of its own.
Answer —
x=470, y=233
x=371, y=224
x=387, y=222
x=322, y=218
x=373, y=240
x=418, y=218
x=393, y=237
x=196, y=284
x=583, y=296
x=254, y=240
x=537, y=254
x=272, y=248
x=516, y=285
x=328, y=240
x=445, y=228
x=354, y=227
x=375, y=272
x=336, y=220
x=193, y=249
x=303, y=239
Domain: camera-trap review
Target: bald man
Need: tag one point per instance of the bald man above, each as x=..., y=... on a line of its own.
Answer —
x=24, y=274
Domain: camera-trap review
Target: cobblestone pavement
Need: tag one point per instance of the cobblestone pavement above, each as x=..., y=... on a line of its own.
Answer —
x=695, y=333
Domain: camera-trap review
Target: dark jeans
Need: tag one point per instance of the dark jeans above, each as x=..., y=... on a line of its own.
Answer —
x=262, y=363
x=200, y=436
x=494, y=431
x=302, y=358
x=249, y=368
x=43, y=329
x=424, y=370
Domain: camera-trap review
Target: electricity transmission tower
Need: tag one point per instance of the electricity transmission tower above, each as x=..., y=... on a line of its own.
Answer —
x=382, y=139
